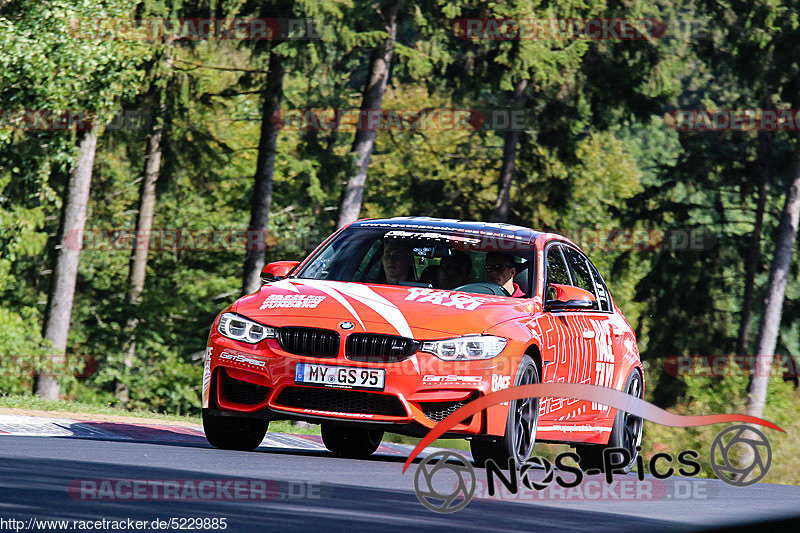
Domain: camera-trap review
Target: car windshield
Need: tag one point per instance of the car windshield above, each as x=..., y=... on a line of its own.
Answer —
x=437, y=259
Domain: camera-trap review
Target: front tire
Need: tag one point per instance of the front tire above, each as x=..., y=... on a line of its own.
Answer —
x=625, y=433
x=521, y=424
x=234, y=433
x=350, y=441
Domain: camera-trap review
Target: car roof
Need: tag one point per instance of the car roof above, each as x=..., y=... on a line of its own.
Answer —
x=445, y=224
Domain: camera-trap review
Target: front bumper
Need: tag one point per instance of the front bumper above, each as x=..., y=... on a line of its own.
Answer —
x=419, y=391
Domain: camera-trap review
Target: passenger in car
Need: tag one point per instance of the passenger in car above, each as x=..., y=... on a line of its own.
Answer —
x=454, y=271
x=501, y=269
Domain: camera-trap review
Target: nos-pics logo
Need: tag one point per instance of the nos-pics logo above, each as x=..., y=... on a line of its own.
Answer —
x=445, y=481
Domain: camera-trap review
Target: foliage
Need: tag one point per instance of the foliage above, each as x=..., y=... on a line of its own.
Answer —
x=707, y=395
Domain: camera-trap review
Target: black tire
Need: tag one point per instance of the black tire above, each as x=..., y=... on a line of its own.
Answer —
x=625, y=433
x=234, y=433
x=350, y=441
x=521, y=424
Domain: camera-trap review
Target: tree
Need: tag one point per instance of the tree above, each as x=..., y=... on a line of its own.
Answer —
x=757, y=64
x=776, y=288
x=137, y=271
x=372, y=102
x=501, y=206
x=93, y=74
x=262, y=189
x=500, y=73
x=261, y=199
x=753, y=261
x=65, y=273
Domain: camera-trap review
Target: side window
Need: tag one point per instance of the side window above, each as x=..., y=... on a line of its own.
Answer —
x=578, y=266
x=602, y=291
x=556, y=269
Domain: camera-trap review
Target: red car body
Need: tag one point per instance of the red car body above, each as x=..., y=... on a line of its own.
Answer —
x=385, y=328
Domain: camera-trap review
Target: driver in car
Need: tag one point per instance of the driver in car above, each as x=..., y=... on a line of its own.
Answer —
x=500, y=269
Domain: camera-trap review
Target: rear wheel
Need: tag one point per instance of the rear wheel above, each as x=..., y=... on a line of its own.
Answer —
x=625, y=433
x=521, y=424
x=234, y=433
x=350, y=441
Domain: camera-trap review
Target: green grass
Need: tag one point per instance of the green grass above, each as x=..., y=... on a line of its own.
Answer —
x=22, y=401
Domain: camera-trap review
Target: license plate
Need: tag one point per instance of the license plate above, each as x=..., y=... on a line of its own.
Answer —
x=342, y=377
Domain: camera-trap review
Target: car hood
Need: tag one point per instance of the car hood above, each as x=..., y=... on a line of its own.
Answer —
x=407, y=311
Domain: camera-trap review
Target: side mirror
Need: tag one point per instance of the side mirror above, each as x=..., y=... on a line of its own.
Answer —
x=277, y=270
x=562, y=297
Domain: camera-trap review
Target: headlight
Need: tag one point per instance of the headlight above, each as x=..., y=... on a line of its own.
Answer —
x=470, y=347
x=240, y=328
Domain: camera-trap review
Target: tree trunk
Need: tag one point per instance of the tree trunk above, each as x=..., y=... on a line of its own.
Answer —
x=501, y=206
x=754, y=257
x=778, y=275
x=265, y=168
x=137, y=269
x=371, y=102
x=65, y=273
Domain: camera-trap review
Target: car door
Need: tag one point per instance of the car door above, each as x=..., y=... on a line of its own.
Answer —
x=566, y=355
x=594, y=325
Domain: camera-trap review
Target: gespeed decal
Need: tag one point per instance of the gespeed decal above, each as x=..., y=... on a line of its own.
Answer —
x=457, y=300
x=241, y=358
x=304, y=301
x=452, y=379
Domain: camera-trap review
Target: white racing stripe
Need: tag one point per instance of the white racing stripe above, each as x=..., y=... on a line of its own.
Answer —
x=333, y=293
x=362, y=294
x=284, y=284
x=389, y=311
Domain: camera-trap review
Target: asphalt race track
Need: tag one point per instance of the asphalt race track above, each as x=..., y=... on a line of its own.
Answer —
x=311, y=490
